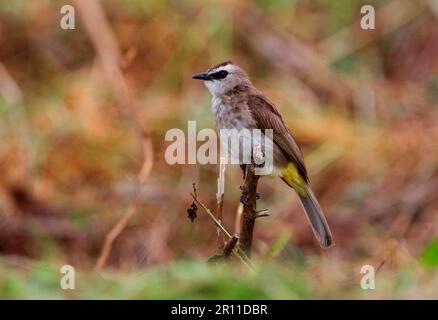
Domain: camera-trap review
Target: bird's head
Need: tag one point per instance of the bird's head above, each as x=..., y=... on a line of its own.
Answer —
x=223, y=77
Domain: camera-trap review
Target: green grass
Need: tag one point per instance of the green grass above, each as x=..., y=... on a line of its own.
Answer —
x=197, y=280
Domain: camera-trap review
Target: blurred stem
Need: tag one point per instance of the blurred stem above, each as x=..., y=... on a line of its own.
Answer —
x=108, y=52
x=220, y=202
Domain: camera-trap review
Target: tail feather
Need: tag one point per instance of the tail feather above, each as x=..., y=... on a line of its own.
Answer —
x=316, y=218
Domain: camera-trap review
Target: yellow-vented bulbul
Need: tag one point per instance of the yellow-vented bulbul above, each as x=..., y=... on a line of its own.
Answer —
x=237, y=104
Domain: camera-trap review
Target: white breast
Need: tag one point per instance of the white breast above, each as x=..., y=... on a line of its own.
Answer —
x=228, y=117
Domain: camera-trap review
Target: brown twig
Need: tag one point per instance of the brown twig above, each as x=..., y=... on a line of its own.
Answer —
x=249, y=197
x=220, y=203
x=380, y=266
x=229, y=246
x=123, y=222
x=237, y=251
x=238, y=218
x=105, y=44
x=262, y=213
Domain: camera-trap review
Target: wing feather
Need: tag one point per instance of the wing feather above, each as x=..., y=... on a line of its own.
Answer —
x=268, y=117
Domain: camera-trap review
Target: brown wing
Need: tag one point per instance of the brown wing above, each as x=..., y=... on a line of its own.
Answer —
x=268, y=117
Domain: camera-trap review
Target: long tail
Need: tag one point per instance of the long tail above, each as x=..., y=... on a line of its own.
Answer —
x=316, y=218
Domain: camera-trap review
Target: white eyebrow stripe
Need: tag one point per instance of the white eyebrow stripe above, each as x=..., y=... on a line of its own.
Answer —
x=228, y=68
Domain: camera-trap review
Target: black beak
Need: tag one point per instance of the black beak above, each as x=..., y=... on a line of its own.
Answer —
x=201, y=76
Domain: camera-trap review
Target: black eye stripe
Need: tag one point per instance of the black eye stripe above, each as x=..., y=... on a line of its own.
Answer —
x=219, y=75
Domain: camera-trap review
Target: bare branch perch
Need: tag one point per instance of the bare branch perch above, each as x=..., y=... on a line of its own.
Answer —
x=249, y=197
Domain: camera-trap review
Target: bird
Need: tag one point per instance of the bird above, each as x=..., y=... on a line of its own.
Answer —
x=238, y=104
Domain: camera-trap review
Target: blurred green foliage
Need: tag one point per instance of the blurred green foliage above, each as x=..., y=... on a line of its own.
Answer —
x=197, y=280
x=429, y=256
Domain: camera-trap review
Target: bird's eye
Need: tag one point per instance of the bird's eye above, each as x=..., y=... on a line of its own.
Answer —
x=219, y=75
